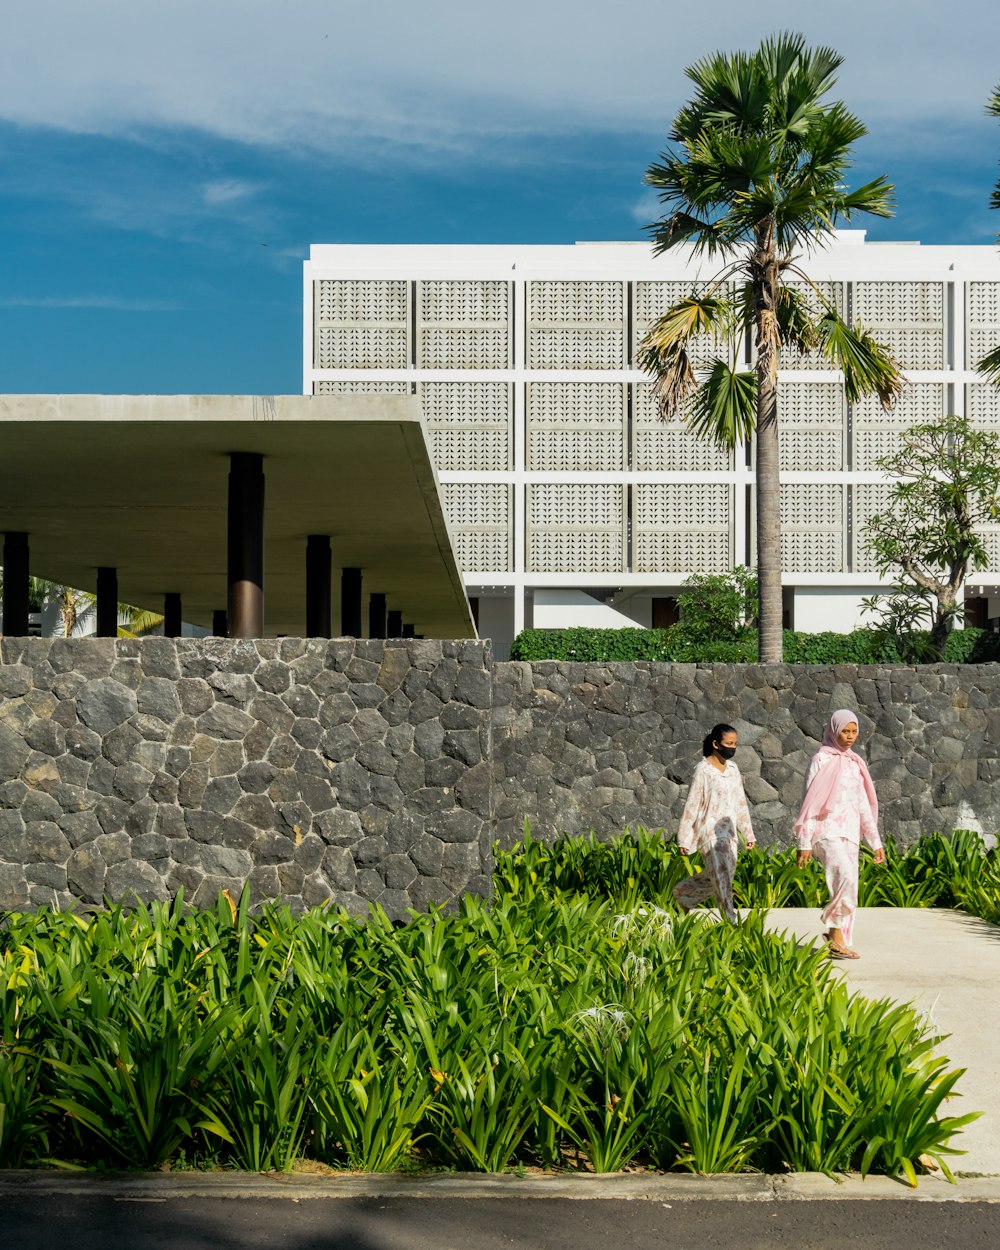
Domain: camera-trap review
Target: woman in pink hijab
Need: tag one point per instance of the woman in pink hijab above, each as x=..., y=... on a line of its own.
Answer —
x=839, y=809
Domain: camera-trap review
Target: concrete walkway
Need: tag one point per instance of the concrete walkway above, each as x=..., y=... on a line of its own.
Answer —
x=948, y=965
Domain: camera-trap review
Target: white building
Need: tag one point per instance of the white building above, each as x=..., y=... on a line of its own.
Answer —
x=569, y=500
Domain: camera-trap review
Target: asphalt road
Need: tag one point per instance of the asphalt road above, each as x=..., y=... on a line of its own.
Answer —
x=74, y=1222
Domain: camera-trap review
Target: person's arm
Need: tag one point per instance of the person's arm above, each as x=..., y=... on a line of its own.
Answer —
x=687, y=836
x=869, y=829
x=807, y=829
x=743, y=823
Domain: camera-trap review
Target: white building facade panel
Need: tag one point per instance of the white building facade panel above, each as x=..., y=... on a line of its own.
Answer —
x=556, y=469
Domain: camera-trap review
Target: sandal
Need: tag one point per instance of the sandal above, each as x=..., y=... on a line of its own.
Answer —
x=837, y=951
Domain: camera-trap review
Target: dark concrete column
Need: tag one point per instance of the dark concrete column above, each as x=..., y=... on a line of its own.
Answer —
x=376, y=615
x=172, y=615
x=350, y=603
x=220, y=624
x=15, y=584
x=409, y=631
x=394, y=624
x=107, y=602
x=318, y=586
x=246, y=545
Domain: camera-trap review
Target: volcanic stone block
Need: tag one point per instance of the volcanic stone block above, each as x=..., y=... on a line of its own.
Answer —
x=105, y=704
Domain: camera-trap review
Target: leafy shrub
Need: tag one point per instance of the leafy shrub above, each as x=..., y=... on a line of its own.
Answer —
x=673, y=645
x=591, y=645
x=938, y=871
x=972, y=646
x=717, y=607
x=553, y=1027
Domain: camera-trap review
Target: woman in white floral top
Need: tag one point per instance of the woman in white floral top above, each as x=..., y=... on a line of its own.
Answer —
x=715, y=810
x=840, y=808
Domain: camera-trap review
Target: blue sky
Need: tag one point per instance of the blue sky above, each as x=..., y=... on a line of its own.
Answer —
x=166, y=165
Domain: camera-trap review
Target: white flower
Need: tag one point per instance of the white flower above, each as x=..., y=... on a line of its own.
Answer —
x=636, y=967
x=645, y=922
x=604, y=1022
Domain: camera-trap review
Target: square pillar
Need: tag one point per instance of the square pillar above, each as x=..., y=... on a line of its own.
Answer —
x=15, y=584
x=171, y=615
x=107, y=602
x=246, y=545
x=318, y=586
x=376, y=615
x=350, y=603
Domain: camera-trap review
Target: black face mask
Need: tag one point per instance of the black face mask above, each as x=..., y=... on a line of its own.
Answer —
x=726, y=753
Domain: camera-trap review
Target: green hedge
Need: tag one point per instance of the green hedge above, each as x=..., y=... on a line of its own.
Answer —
x=863, y=646
x=595, y=645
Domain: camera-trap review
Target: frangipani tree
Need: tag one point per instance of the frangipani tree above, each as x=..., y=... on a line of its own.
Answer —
x=945, y=489
x=756, y=177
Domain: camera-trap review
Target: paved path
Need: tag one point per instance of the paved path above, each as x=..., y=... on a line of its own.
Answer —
x=948, y=965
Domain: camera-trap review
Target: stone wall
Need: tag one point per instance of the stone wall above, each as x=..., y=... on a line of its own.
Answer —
x=362, y=771
x=312, y=770
x=582, y=746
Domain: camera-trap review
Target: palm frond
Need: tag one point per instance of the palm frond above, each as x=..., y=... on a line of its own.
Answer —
x=758, y=142
x=868, y=368
x=42, y=592
x=665, y=353
x=990, y=366
x=724, y=408
x=675, y=380
x=993, y=109
x=875, y=197
x=796, y=320
x=691, y=316
x=133, y=622
x=684, y=227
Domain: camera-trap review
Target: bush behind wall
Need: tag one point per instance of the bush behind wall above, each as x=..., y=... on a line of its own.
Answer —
x=672, y=646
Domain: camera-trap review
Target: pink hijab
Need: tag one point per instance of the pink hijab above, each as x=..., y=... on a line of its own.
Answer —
x=824, y=784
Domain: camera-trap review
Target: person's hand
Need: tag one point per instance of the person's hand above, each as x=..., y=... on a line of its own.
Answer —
x=804, y=858
x=880, y=855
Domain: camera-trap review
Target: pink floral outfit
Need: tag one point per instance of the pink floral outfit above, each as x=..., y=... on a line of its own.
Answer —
x=839, y=810
x=716, y=808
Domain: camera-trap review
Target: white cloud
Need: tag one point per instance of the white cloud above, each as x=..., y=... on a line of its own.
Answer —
x=113, y=303
x=647, y=208
x=146, y=196
x=442, y=75
x=228, y=191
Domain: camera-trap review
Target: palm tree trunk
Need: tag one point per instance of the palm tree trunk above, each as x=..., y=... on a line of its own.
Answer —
x=764, y=279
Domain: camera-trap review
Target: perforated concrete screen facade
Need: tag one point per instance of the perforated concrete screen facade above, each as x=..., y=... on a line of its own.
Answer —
x=557, y=472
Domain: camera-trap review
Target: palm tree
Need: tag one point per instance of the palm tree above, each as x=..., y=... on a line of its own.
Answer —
x=77, y=608
x=756, y=175
x=990, y=363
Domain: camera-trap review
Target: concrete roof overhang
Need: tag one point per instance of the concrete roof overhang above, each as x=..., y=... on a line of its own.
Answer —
x=140, y=483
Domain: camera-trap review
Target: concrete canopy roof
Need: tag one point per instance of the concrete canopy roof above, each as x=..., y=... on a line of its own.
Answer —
x=139, y=483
